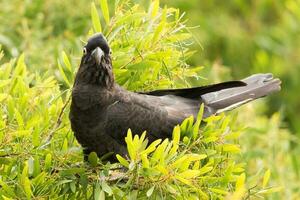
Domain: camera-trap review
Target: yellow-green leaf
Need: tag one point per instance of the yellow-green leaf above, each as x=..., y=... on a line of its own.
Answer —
x=176, y=134
x=95, y=18
x=151, y=147
x=231, y=148
x=190, y=173
x=93, y=159
x=271, y=190
x=19, y=119
x=105, y=10
x=150, y=191
x=204, y=170
x=154, y=8
x=66, y=61
x=63, y=74
x=122, y=161
x=145, y=161
x=240, y=182
x=266, y=178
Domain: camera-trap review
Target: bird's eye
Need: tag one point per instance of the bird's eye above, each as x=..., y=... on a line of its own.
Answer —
x=84, y=51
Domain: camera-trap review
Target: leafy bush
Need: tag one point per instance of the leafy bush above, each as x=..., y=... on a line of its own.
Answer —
x=40, y=158
x=32, y=166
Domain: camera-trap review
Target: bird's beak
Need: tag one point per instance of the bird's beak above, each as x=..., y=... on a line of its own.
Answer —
x=97, y=55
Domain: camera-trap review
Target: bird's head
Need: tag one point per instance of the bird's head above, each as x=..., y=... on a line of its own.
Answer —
x=96, y=66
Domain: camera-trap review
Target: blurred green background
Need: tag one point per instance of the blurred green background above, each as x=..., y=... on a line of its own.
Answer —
x=235, y=39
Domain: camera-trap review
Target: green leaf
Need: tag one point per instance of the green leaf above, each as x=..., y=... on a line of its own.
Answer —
x=154, y=7
x=36, y=166
x=48, y=161
x=105, y=10
x=3, y=96
x=271, y=190
x=19, y=119
x=145, y=161
x=157, y=32
x=266, y=178
x=200, y=113
x=65, y=145
x=93, y=159
x=4, y=83
x=122, y=161
x=218, y=191
x=151, y=147
x=150, y=191
x=7, y=189
x=183, y=180
x=106, y=188
x=240, y=182
x=176, y=134
x=73, y=186
x=25, y=182
x=231, y=148
x=204, y=170
x=187, y=125
x=63, y=74
x=190, y=173
x=98, y=193
x=66, y=61
x=95, y=18
x=196, y=129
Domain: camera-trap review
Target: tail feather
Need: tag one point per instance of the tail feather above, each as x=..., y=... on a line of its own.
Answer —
x=258, y=85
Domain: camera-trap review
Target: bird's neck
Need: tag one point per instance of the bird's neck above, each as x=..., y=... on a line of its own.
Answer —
x=100, y=76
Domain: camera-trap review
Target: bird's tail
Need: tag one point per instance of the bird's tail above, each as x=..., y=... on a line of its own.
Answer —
x=258, y=85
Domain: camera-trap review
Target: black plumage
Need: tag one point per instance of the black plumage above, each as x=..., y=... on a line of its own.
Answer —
x=102, y=111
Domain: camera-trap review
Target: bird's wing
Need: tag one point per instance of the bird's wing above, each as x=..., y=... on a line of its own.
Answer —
x=157, y=111
x=156, y=114
x=196, y=92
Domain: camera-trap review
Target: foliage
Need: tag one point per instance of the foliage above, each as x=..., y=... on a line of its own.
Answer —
x=269, y=32
x=39, y=156
x=244, y=37
x=201, y=166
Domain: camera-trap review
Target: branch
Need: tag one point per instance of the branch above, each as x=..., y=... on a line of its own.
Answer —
x=59, y=120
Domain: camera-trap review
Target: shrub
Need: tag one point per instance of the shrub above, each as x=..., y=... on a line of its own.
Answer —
x=40, y=158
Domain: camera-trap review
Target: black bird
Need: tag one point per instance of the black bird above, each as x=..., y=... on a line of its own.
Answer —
x=102, y=111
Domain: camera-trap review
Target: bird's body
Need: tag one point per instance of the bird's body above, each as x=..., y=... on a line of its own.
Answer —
x=102, y=111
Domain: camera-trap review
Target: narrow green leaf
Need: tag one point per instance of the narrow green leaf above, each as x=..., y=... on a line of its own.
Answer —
x=105, y=10
x=95, y=18
x=270, y=190
x=36, y=166
x=25, y=181
x=190, y=173
x=157, y=32
x=240, y=182
x=66, y=61
x=19, y=119
x=73, y=187
x=65, y=145
x=176, y=134
x=106, y=188
x=145, y=161
x=204, y=170
x=48, y=161
x=122, y=161
x=150, y=191
x=151, y=147
x=231, y=148
x=93, y=159
x=63, y=74
x=266, y=178
x=154, y=8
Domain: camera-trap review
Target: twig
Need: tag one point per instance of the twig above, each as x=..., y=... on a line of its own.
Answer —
x=9, y=155
x=59, y=120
